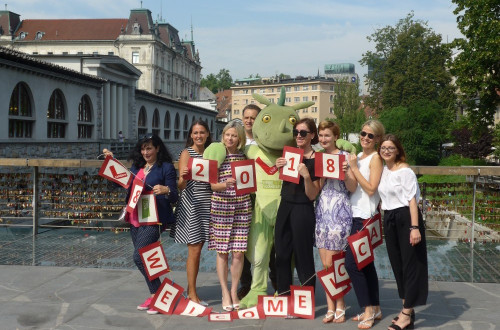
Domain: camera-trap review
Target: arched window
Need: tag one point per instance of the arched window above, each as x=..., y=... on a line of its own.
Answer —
x=85, y=125
x=56, y=116
x=186, y=126
x=211, y=126
x=156, y=122
x=142, y=126
x=166, y=126
x=20, y=112
x=194, y=119
x=177, y=127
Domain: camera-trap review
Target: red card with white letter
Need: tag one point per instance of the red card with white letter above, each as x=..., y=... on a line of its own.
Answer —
x=166, y=296
x=361, y=248
x=135, y=194
x=374, y=226
x=252, y=313
x=329, y=166
x=274, y=306
x=290, y=172
x=147, y=211
x=154, y=260
x=113, y=170
x=220, y=317
x=204, y=170
x=327, y=279
x=244, y=174
x=187, y=307
x=302, y=301
x=340, y=273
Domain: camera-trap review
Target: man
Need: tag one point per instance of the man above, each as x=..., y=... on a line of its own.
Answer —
x=250, y=112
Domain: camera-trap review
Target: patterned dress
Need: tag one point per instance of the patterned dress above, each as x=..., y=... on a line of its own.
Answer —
x=192, y=214
x=230, y=214
x=333, y=215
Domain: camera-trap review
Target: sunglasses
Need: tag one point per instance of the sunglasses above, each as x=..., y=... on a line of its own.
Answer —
x=301, y=133
x=146, y=137
x=370, y=135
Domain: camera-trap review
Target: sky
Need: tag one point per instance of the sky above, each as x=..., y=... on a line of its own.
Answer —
x=264, y=37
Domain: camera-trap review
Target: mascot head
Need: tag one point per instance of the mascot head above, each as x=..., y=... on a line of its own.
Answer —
x=273, y=126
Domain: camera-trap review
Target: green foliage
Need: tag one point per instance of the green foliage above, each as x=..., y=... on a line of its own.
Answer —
x=219, y=82
x=346, y=106
x=408, y=64
x=496, y=140
x=477, y=63
x=428, y=178
x=458, y=160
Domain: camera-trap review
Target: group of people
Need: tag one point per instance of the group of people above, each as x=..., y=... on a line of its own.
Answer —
x=314, y=212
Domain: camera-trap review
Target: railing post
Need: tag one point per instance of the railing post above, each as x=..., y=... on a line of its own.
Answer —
x=472, y=229
x=424, y=201
x=35, y=200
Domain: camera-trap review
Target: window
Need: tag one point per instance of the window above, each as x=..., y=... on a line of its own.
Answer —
x=271, y=100
x=156, y=123
x=142, y=121
x=20, y=112
x=236, y=112
x=166, y=126
x=305, y=88
x=56, y=113
x=314, y=109
x=306, y=110
x=331, y=87
x=85, y=118
x=186, y=125
x=305, y=98
x=296, y=99
x=314, y=98
x=296, y=88
x=288, y=100
x=331, y=110
x=288, y=89
x=177, y=127
x=135, y=57
x=262, y=90
x=272, y=90
x=246, y=101
x=331, y=98
x=314, y=87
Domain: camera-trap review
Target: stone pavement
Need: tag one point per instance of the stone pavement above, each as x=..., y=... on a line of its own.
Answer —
x=39, y=297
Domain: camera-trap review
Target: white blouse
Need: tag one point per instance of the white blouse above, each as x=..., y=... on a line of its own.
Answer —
x=397, y=188
x=364, y=206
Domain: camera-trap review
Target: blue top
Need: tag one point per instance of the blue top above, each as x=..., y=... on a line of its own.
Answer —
x=164, y=175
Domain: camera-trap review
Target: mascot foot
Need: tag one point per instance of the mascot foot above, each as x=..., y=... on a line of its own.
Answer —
x=251, y=299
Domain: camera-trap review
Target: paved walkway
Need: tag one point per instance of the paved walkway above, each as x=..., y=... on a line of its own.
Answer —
x=38, y=297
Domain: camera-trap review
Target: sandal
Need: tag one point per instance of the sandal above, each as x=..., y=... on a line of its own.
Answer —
x=365, y=324
x=337, y=317
x=329, y=316
x=412, y=317
x=357, y=318
x=411, y=325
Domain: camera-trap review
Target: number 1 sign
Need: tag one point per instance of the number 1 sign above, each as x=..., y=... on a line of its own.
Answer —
x=290, y=172
x=203, y=170
x=329, y=166
x=244, y=174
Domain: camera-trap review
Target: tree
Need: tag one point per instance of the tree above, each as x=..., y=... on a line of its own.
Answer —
x=210, y=82
x=477, y=64
x=219, y=82
x=408, y=64
x=224, y=78
x=347, y=106
x=466, y=146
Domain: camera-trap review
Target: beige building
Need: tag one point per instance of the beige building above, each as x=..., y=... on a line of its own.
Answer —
x=319, y=90
x=170, y=67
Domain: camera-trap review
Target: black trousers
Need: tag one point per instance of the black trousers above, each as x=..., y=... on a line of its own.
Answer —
x=294, y=236
x=364, y=281
x=143, y=236
x=246, y=273
x=409, y=263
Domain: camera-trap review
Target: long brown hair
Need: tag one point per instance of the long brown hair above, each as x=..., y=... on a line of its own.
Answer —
x=401, y=156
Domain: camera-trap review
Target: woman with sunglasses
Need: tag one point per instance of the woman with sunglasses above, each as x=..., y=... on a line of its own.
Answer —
x=333, y=214
x=367, y=169
x=404, y=230
x=295, y=221
x=192, y=213
x=151, y=163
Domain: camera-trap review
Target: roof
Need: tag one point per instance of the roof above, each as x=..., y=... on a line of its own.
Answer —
x=141, y=16
x=224, y=101
x=72, y=29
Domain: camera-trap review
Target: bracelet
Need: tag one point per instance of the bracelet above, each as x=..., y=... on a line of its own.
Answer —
x=414, y=227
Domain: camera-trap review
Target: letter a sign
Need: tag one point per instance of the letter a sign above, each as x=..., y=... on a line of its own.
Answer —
x=113, y=170
x=361, y=248
x=374, y=226
x=154, y=260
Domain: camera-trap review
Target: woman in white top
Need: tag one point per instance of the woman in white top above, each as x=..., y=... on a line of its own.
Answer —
x=367, y=168
x=404, y=230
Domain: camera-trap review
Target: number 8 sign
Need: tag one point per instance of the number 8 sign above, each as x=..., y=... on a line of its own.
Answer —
x=244, y=174
x=203, y=170
x=329, y=166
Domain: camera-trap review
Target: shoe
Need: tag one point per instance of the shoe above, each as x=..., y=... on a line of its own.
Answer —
x=236, y=306
x=411, y=325
x=329, y=316
x=228, y=308
x=152, y=311
x=368, y=323
x=357, y=318
x=337, y=317
x=203, y=303
x=412, y=317
x=145, y=305
x=242, y=292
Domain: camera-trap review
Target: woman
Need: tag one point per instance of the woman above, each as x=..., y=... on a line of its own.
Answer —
x=230, y=217
x=367, y=169
x=404, y=230
x=192, y=213
x=295, y=221
x=152, y=163
x=333, y=214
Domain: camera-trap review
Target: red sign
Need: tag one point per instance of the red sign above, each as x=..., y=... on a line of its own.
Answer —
x=113, y=170
x=154, y=259
x=135, y=194
x=374, y=226
x=166, y=296
x=302, y=301
x=187, y=307
x=340, y=273
x=361, y=248
x=274, y=306
x=290, y=172
x=203, y=170
x=327, y=279
x=252, y=313
x=220, y=317
x=329, y=166
x=244, y=174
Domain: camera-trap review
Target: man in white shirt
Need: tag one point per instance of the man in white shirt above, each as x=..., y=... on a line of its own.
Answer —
x=250, y=112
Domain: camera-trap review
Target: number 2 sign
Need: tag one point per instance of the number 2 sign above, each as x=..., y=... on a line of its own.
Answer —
x=290, y=172
x=203, y=170
x=329, y=166
x=244, y=174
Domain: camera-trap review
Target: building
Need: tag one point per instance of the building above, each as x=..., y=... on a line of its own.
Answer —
x=224, y=101
x=170, y=67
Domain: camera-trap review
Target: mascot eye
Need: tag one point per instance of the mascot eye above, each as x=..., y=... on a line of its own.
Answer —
x=292, y=120
x=266, y=118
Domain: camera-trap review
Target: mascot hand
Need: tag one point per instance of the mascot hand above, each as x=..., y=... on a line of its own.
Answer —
x=346, y=146
x=215, y=151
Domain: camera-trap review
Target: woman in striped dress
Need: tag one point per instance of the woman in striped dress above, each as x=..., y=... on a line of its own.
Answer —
x=192, y=213
x=230, y=217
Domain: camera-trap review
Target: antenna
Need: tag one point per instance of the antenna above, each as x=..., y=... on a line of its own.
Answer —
x=161, y=11
x=5, y=7
x=141, y=3
x=192, y=38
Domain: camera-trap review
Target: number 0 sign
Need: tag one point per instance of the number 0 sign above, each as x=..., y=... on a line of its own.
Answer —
x=244, y=174
x=203, y=170
x=290, y=172
x=329, y=166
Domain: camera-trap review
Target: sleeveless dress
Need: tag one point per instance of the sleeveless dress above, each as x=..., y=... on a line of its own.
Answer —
x=230, y=214
x=192, y=213
x=333, y=215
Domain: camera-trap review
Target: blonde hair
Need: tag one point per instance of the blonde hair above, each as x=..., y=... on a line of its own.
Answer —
x=376, y=126
x=239, y=129
x=332, y=126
